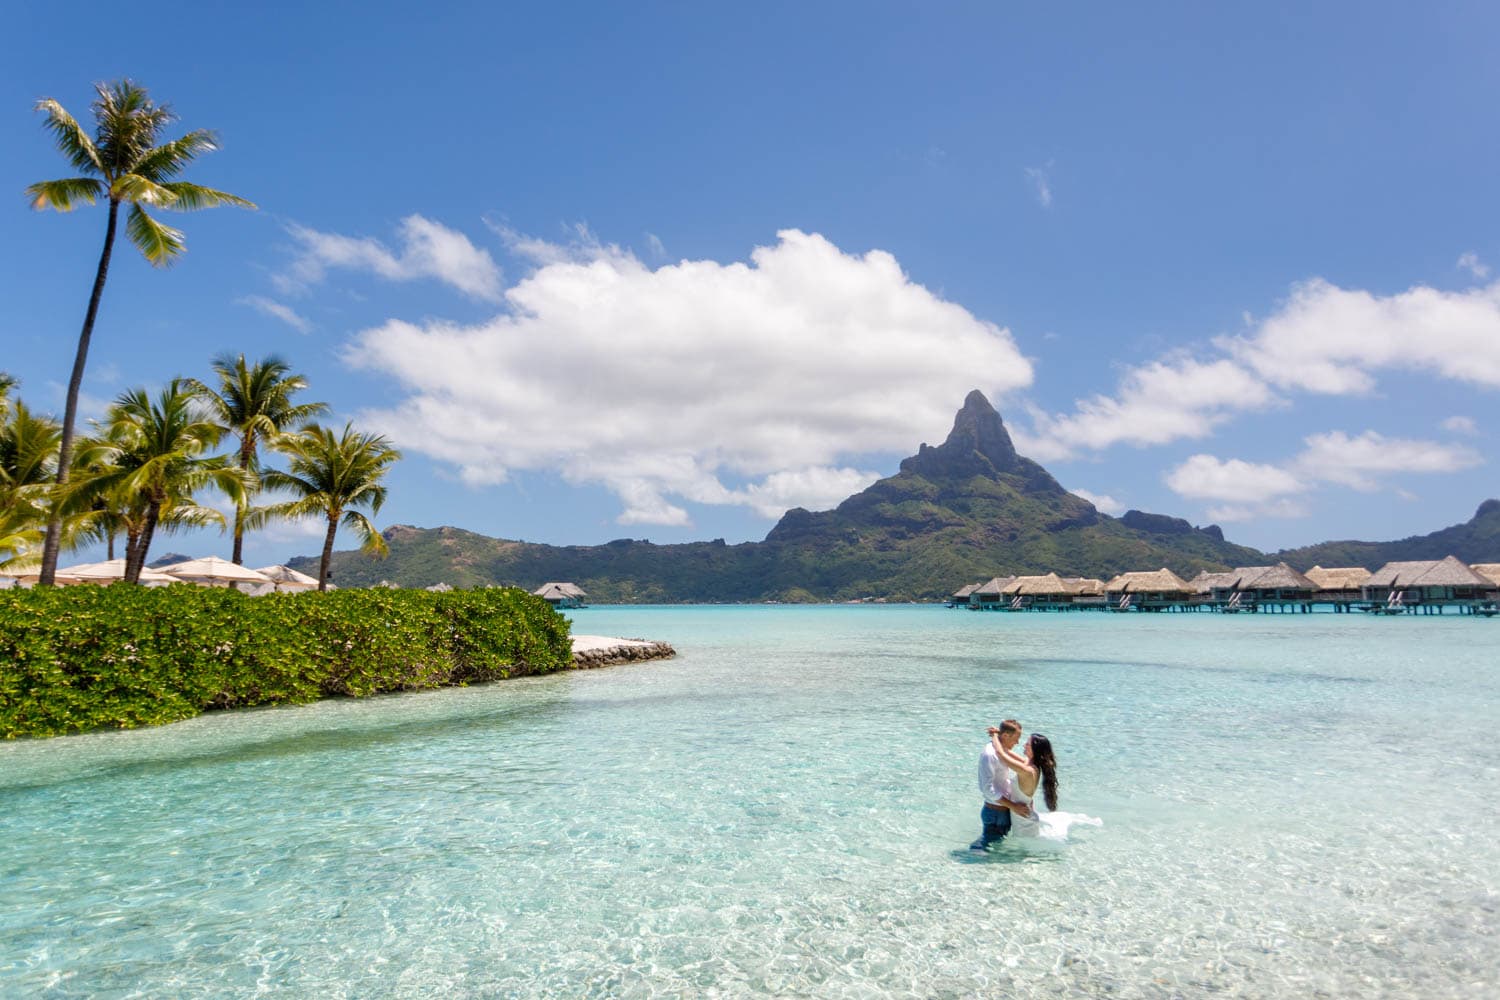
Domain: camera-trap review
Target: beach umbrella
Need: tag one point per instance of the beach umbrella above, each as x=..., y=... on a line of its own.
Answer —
x=211, y=571
x=287, y=578
x=110, y=571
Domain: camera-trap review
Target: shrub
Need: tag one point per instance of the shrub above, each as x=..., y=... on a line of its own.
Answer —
x=78, y=658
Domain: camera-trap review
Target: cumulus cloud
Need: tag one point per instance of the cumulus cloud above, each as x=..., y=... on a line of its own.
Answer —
x=1470, y=262
x=1285, y=508
x=1332, y=340
x=1206, y=477
x=1461, y=425
x=428, y=250
x=1156, y=403
x=1103, y=502
x=1323, y=340
x=275, y=310
x=662, y=383
x=1358, y=462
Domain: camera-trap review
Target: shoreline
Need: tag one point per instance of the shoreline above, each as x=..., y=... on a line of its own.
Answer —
x=603, y=651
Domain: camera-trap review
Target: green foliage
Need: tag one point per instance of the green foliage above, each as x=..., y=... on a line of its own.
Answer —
x=80, y=658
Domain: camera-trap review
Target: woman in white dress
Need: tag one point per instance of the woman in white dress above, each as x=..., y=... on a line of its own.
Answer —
x=1039, y=767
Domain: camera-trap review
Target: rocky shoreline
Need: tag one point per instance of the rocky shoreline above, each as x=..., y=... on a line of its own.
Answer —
x=602, y=651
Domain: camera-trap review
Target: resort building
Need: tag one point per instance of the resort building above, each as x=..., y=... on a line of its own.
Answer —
x=960, y=597
x=1148, y=591
x=1342, y=586
x=562, y=595
x=1428, y=587
x=989, y=595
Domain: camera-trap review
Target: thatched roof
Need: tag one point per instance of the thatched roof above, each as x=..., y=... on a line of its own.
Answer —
x=1490, y=571
x=1206, y=582
x=1341, y=578
x=963, y=592
x=1278, y=577
x=1084, y=584
x=1050, y=585
x=560, y=589
x=1447, y=572
x=995, y=586
x=1161, y=581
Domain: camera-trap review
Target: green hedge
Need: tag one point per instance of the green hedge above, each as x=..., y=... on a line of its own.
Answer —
x=78, y=658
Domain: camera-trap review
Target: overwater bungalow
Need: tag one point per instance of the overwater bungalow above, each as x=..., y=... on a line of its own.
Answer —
x=1340, y=586
x=1491, y=572
x=960, y=597
x=561, y=595
x=1156, y=591
x=987, y=596
x=1429, y=587
x=1041, y=593
x=1214, y=589
x=1277, y=588
x=1088, y=591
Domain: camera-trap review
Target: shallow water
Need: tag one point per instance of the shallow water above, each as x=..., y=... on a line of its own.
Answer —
x=1293, y=806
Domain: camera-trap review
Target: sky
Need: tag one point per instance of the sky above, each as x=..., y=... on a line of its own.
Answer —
x=665, y=270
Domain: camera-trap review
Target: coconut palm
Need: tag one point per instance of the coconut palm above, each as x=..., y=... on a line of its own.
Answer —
x=28, y=456
x=329, y=474
x=149, y=460
x=126, y=163
x=254, y=403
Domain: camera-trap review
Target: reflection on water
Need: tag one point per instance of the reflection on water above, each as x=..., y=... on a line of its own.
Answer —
x=784, y=808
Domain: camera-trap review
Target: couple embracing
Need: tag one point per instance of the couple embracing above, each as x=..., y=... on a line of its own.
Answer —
x=1008, y=780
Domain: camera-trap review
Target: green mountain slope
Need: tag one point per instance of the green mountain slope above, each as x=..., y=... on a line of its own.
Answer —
x=1475, y=541
x=966, y=510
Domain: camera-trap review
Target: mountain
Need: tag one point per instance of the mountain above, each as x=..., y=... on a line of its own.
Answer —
x=1475, y=541
x=966, y=510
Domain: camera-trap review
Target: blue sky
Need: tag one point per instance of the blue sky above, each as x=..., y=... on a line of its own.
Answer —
x=662, y=270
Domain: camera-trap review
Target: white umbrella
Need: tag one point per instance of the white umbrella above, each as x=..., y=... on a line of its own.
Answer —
x=108, y=572
x=287, y=578
x=213, y=571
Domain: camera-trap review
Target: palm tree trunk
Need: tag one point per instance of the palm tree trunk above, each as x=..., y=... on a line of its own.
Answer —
x=247, y=454
x=133, y=573
x=333, y=527
x=110, y=549
x=70, y=412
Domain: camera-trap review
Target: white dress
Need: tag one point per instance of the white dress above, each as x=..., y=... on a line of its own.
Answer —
x=1047, y=826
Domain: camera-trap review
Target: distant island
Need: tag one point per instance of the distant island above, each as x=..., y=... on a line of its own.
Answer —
x=969, y=509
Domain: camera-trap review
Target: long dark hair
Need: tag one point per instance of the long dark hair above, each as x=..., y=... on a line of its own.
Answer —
x=1042, y=759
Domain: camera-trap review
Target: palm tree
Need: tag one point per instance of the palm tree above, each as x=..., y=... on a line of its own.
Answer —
x=330, y=474
x=28, y=455
x=126, y=163
x=254, y=402
x=149, y=460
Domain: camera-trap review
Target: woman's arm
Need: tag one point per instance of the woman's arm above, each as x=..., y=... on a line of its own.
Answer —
x=1012, y=760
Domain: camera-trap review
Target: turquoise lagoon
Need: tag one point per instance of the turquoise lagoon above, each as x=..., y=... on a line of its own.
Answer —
x=1298, y=805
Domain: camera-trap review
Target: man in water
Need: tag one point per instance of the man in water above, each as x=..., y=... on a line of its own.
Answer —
x=995, y=784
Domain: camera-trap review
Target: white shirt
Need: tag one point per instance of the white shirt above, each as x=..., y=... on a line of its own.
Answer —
x=994, y=776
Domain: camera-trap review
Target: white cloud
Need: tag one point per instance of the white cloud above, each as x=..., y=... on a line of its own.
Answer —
x=275, y=310
x=1156, y=403
x=1206, y=477
x=1039, y=180
x=1284, y=508
x=1103, y=502
x=1461, y=425
x=1324, y=339
x=1470, y=262
x=428, y=250
x=1331, y=340
x=653, y=382
x=1356, y=462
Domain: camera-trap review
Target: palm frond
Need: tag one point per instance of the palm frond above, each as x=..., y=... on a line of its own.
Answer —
x=138, y=190
x=159, y=244
x=192, y=197
x=170, y=158
x=371, y=541
x=70, y=137
x=66, y=194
